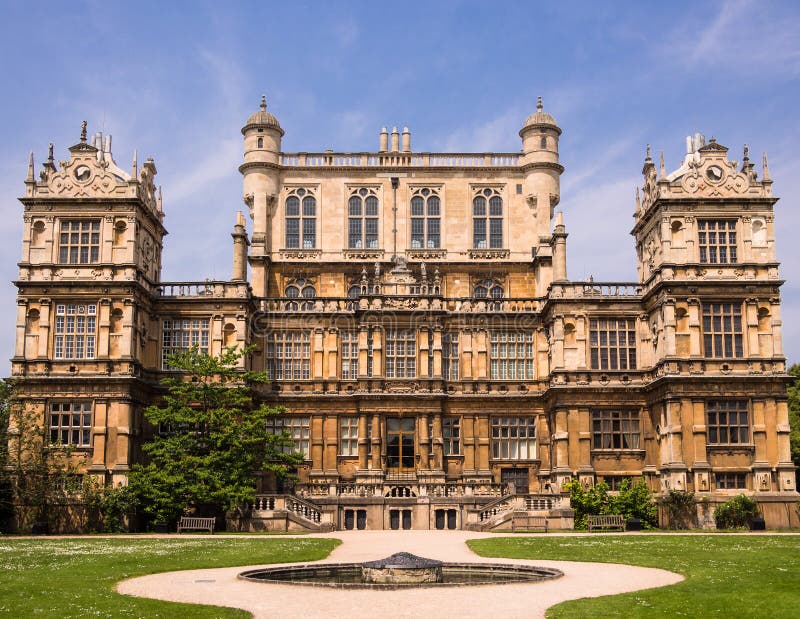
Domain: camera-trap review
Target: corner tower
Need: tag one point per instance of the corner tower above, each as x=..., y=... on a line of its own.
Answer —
x=261, y=181
x=90, y=268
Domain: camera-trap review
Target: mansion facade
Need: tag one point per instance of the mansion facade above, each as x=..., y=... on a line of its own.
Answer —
x=438, y=367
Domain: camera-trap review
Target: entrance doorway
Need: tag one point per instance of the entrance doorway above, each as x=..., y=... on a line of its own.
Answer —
x=400, y=444
x=445, y=517
x=355, y=519
x=398, y=517
x=519, y=477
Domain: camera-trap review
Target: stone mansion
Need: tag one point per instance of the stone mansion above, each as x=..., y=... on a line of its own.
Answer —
x=438, y=367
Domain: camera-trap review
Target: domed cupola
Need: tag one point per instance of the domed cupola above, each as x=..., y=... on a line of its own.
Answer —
x=262, y=119
x=539, y=119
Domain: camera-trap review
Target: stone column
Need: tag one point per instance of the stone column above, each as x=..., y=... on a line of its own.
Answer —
x=45, y=307
x=377, y=442
x=363, y=447
x=437, y=443
x=317, y=443
x=437, y=352
x=424, y=442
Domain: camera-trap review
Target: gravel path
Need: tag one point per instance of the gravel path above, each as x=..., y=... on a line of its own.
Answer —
x=221, y=586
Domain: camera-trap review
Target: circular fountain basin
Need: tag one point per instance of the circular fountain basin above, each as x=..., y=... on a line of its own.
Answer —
x=400, y=571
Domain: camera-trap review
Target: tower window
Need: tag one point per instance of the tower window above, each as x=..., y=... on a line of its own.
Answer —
x=362, y=223
x=76, y=329
x=488, y=289
x=722, y=330
x=71, y=423
x=727, y=422
x=543, y=142
x=717, y=241
x=79, y=241
x=181, y=334
x=487, y=223
x=425, y=219
x=612, y=344
x=301, y=220
x=260, y=142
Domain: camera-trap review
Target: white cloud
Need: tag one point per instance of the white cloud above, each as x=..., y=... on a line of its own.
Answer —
x=743, y=37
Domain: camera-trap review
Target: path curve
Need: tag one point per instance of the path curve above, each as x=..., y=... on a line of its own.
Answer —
x=221, y=587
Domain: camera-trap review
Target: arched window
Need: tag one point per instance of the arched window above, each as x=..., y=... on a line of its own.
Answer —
x=543, y=142
x=354, y=291
x=300, y=288
x=489, y=288
x=301, y=225
x=260, y=142
x=487, y=226
x=425, y=219
x=362, y=224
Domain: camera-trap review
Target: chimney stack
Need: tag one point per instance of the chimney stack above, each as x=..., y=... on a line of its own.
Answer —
x=384, y=143
x=406, y=140
x=395, y=140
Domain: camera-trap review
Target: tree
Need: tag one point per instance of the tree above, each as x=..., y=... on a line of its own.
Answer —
x=6, y=499
x=42, y=476
x=793, y=393
x=211, y=440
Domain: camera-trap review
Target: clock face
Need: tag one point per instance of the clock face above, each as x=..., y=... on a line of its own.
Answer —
x=82, y=173
x=714, y=173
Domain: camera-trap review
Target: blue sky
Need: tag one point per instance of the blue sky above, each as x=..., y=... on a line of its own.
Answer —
x=176, y=80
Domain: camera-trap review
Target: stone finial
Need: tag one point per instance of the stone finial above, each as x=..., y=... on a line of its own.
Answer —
x=263, y=105
x=765, y=171
x=50, y=153
x=134, y=167
x=160, y=201
x=240, y=219
x=30, y=178
x=560, y=219
x=746, y=156
x=638, y=201
x=662, y=169
x=539, y=105
x=83, y=132
x=647, y=156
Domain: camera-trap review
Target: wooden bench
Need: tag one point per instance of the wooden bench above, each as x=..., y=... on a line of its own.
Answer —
x=530, y=523
x=191, y=523
x=606, y=522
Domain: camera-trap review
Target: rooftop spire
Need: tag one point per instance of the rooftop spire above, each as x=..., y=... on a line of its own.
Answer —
x=539, y=105
x=50, y=152
x=30, y=168
x=263, y=105
x=647, y=156
x=638, y=201
x=765, y=172
x=159, y=201
x=134, y=167
x=662, y=169
x=83, y=132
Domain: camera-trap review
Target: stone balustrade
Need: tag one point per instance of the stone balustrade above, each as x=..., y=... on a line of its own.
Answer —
x=400, y=159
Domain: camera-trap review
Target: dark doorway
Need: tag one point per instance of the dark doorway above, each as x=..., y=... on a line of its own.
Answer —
x=519, y=477
x=406, y=518
x=451, y=519
x=348, y=519
x=394, y=519
x=361, y=519
x=440, y=514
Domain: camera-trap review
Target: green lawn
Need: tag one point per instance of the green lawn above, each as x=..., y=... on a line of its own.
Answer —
x=726, y=576
x=76, y=577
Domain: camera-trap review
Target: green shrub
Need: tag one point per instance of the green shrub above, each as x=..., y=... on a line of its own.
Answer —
x=634, y=500
x=681, y=509
x=736, y=512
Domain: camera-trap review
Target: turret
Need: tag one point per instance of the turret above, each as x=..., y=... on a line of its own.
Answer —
x=542, y=186
x=261, y=171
